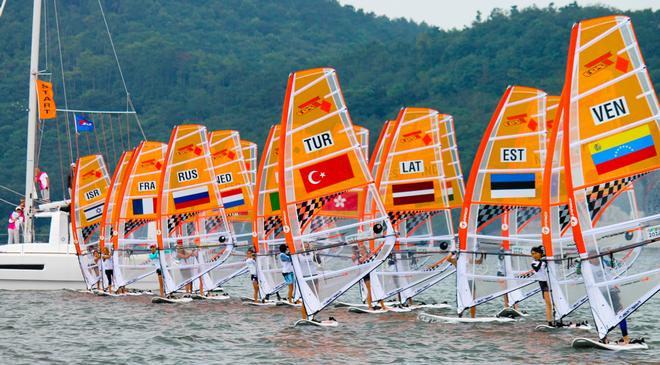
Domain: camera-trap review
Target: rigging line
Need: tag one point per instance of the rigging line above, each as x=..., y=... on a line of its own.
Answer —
x=114, y=50
x=66, y=101
x=121, y=134
x=137, y=118
x=128, y=133
x=11, y=191
x=7, y=202
x=2, y=7
x=89, y=144
x=59, y=151
x=112, y=139
x=105, y=141
x=96, y=137
x=45, y=19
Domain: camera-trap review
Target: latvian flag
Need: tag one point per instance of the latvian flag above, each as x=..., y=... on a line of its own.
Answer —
x=232, y=198
x=191, y=197
x=413, y=193
x=512, y=186
x=144, y=206
x=94, y=212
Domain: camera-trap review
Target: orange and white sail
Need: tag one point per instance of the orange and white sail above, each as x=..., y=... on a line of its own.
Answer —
x=611, y=137
x=414, y=190
x=235, y=183
x=362, y=134
x=320, y=158
x=268, y=218
x=505, y=182
x=191, y=230
x=454, y=190
x=105, y=233
x=133, y=218
x=90, y=186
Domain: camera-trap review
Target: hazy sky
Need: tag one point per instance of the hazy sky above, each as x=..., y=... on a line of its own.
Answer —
x=458, y=13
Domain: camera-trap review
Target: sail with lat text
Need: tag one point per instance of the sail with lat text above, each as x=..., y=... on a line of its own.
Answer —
x=192, y=231
x=414, y=190
x=321, y=158
x=90, y=186
x=506, y=177
x=611, y=138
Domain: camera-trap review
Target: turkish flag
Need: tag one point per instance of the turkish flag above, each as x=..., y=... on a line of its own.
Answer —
x=344, y=202
x=326, y=173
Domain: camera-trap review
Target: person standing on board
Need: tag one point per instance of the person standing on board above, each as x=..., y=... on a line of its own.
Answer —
x=453, y=259
x=41, y=178
x=14, y=226
x=287, y=270
x=540, y=269
x=362, y=257
x=108, y=266
x=252, y=267
x=153, y=257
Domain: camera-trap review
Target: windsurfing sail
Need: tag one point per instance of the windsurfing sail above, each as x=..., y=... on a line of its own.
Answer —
x=505, y=183
x=192, y=230
x=268, y=218
x=250, y=155
x=455, y=190
x=235, y=184
x=610, y=114
x=320, y=160
x=91, y=182
x=566, y=285
x=133, y=217
x=414, y=190
x=105, y=230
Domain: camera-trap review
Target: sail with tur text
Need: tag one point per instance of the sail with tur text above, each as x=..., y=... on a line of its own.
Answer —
x=321, y=159
x=610, y=119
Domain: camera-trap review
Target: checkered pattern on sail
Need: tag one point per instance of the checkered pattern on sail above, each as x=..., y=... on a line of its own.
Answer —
x=87, y=231
x=525, y=214
x=416, y=219
x=273, y=223
x=212, y=222
x=564, y=216
x=174, y=221
x=319, y=222
x=598, y=195
x=488, y=212
x=399, y=216
x=307, y=209
x=133, y=224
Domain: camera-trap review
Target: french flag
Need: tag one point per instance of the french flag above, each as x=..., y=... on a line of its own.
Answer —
x=144, y=206
x=191, y=197
x=232, y=198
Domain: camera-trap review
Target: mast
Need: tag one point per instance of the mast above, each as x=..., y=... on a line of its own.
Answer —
x=32, y=121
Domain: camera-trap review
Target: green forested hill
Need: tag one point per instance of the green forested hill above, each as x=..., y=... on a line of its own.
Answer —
x=225, y=64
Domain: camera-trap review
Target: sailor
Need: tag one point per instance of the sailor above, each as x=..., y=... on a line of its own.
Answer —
x=69, y=178
x=540, y=271
x=14, y=225
x=153, y=257
x=185, y=257
x=452, y=258
x=252, y=268
x=41, y=178
x=108, y=266
x=363, y=256
x=287, y=269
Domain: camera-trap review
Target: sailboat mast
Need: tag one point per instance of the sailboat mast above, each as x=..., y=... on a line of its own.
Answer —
x=32, y=122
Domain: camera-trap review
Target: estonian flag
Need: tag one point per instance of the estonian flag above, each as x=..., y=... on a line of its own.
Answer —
x=512, y=186
x=83, y=124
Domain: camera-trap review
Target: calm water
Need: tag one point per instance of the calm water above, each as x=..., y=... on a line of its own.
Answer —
x=70, y=328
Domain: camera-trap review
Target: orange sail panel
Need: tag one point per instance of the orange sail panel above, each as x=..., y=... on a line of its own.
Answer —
x=192, y=230
x=250, y=154
x=320, y=159
x=611, y=140
x=90, y=187
x=503, y=192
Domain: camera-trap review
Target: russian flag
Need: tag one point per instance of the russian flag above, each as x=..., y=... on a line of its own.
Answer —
x=144, y=206
x=512, y=186
x=191, y=197
x=232, y=198
x=622, y=149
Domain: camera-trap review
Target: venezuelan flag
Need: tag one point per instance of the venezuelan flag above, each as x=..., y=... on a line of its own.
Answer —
x=622, y=149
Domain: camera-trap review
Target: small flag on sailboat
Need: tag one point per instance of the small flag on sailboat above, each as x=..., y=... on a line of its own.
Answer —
x=512, y=185
x=94, y=212
x=83, y=124
x=232, y=198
